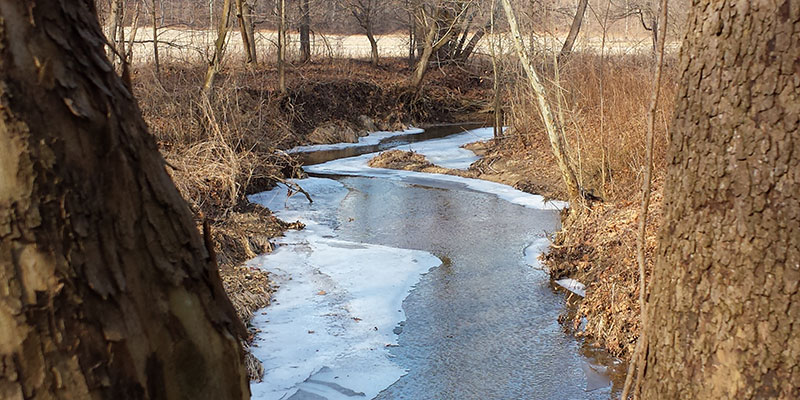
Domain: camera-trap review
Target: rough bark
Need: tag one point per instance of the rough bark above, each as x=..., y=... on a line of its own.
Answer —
x=724, y=305
x=106, y=288
x=574, y=29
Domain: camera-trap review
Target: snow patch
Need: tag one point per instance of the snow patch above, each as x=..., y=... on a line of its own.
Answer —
x=327, y=331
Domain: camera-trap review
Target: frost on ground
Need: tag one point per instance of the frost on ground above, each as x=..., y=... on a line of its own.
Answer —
x=327, y=331
x=446, y=152
x=370, y=140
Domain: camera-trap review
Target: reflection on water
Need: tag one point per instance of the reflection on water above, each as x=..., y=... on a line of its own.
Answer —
x=484, y=325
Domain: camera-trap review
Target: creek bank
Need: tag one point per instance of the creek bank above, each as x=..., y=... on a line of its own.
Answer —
x=592, y=256
x=218, y=150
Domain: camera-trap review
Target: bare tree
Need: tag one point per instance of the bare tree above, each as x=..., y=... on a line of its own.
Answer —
x=438, y=22
x=242, y=17
x=552, y=127
x=156, y=61
x=108, y=289
x=366, y=12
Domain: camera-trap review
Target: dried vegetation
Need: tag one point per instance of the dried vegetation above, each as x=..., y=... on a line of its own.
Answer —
x=602, y=104
x=221, y=149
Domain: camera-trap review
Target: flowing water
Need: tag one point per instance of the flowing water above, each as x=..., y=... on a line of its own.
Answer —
x=484, y=324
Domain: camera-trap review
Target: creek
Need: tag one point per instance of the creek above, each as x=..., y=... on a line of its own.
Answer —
x=417, y=286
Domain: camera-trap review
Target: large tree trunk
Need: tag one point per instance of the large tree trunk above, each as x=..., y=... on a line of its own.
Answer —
x=724, y=305
x=106, y=288
x=574, y=29
x=305, y=31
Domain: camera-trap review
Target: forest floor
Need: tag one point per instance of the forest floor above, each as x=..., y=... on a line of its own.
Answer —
x=222, y=149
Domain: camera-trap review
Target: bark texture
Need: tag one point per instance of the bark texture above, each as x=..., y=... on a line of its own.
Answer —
x=106, y=288
x=724, y=309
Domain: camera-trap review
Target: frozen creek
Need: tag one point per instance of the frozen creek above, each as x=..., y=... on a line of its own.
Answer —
x=417, y=286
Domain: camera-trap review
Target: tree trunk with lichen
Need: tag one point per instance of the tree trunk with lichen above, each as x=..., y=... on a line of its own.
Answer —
x=724, y=305
x=106, y=288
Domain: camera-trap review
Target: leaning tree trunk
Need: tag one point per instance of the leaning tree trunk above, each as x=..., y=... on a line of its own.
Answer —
x=724, y=305
x=250, y=28
x=240, y=17
x=215, y=64
x=106, y=288
x=554, y=133
x=574, y=29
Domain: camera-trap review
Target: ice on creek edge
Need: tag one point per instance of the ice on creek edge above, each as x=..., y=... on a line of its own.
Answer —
x=326, y=334
x=445, y=152
x=370, y=140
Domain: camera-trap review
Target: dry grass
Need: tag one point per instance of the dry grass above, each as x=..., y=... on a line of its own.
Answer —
x=602, y=105
x=222, y=149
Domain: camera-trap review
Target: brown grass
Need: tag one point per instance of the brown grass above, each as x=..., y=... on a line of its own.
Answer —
x=603, y=107
x=222, y=149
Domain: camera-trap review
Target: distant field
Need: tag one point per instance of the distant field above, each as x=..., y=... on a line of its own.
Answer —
x=195, y=45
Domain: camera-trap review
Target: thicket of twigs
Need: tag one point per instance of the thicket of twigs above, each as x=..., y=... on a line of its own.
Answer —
x=602, y=103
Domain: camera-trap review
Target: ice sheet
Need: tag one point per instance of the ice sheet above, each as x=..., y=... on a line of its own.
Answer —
x=327, y=331
x=369, y=140
x=439, y=152
x=447, y=152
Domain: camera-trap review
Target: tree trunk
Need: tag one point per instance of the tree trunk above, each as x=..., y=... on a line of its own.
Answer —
x=553, y=130
x=215, y=63
x=240, y=17
x=282, y=47
x=305, y=31
x=574, y=29
x=250, y=31
x=374, y=45
x=117, y=9
x=428, y=48
x=106, y=287
x=156, y=61
x=424, y=58
x=473, y=42
x=724, y=305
